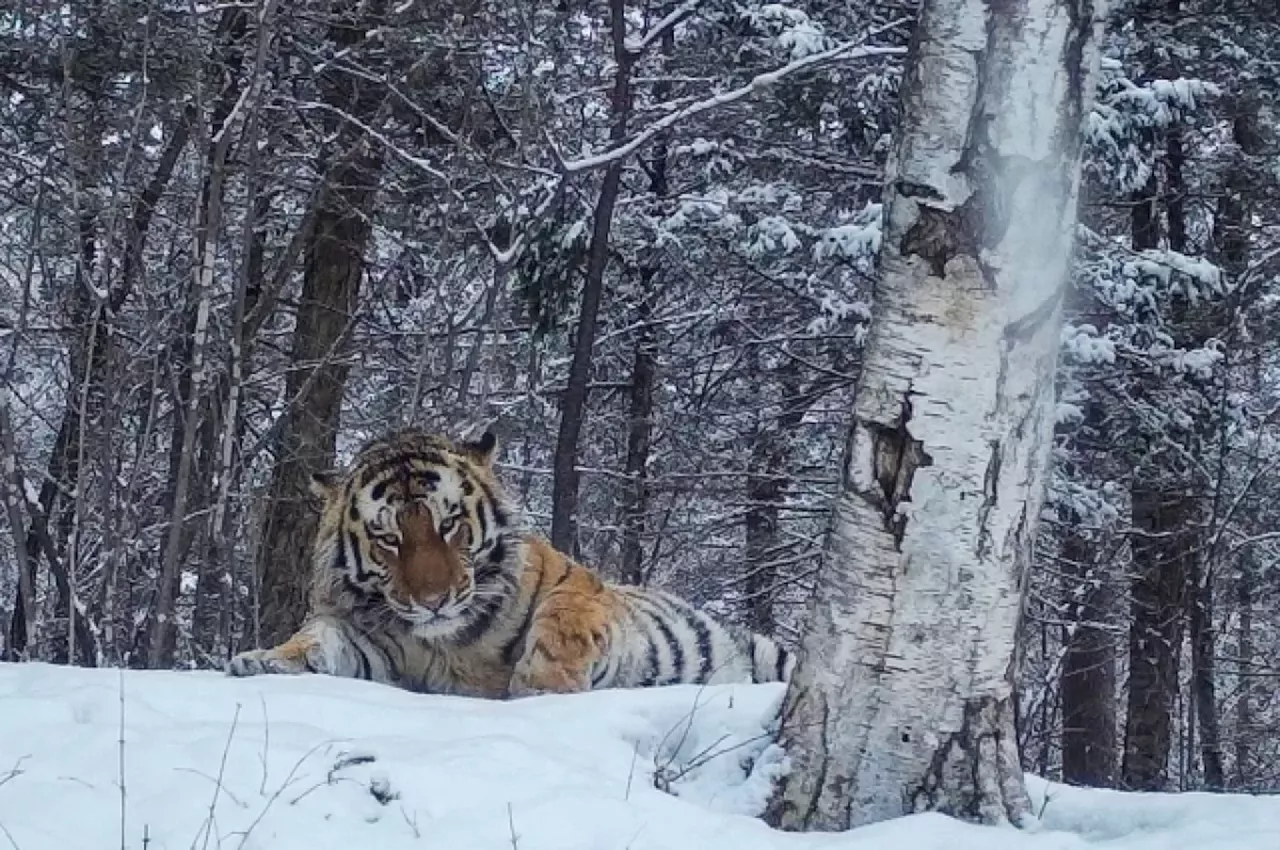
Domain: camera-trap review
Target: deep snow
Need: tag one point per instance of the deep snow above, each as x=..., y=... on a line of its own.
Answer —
x=315, y=762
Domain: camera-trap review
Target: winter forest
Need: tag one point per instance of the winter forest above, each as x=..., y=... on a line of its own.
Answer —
x=640, y=241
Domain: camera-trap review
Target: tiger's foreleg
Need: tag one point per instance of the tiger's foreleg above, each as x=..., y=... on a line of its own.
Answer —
x=566, y=639
x=324, y=644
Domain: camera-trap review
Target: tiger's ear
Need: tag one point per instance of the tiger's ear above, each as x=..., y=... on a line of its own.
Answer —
x=324, y=485
x=482, y=449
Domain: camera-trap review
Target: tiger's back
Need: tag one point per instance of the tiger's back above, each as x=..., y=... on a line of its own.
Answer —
x=581, y=632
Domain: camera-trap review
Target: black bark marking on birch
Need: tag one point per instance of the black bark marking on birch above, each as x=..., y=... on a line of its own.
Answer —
x=781, y=813
x=982, y=220
x=777, y=808
x=1073, y=63
x=953, y=784
x=910, y=189
x=896, y=456
x=1016, y=332
x=990, y=498
x=1025, y=328
x=819, y=787
x=939, y=235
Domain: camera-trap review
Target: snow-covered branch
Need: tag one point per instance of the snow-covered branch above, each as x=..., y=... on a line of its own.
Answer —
x=843, y=52
x=677, y=15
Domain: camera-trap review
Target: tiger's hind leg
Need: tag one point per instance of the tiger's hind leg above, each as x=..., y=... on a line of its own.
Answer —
x=323, y=645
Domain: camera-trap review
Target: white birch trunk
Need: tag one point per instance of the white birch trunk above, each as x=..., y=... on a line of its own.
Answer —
x=903, y=701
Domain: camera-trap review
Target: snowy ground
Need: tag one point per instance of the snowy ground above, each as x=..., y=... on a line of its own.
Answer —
x=314, y=762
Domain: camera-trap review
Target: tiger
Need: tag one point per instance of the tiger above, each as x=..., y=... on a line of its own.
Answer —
x=424, y=577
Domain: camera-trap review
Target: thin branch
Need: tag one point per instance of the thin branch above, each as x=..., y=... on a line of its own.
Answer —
x=636, y=46
x=846, y=52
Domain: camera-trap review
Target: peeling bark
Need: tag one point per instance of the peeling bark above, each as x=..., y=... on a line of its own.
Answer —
x=903, y=698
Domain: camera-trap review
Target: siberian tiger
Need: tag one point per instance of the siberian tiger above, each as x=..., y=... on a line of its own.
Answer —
x=424, y=579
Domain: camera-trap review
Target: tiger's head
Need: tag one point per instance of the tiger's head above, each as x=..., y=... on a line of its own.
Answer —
x=419, y=523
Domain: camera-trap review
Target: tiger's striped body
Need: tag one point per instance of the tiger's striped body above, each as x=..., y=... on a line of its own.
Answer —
x=423, y=579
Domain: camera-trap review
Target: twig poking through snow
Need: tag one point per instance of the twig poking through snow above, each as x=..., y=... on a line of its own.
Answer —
x=217, y=785
x=511, y=825
x=288, y=780
x=635, y=754
x=660, y=770
x=14, y=771
x=225, y=790
x=266, y=742
x=1044, y=805
x=412, y=821
x=120, y=764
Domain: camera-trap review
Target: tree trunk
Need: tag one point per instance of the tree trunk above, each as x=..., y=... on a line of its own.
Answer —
x=330, y=290
x=1089, y=751
x=12, y=489
x=635, y=493
x=1200, y=602
x=573, y=404
x=1232, y=232
x=902, y=700
x=1244, y=705
x=1162, y=505
x=208, y=604
x=164, y=626
x=1155, y=634
x=765, y=487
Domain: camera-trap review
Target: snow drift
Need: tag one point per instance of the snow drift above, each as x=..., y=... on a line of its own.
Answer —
x=316, y=762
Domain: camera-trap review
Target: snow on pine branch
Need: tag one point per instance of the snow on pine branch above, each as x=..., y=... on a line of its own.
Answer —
x=858, y=241
x=1124, y=114
x=1194, y=277
x=793, y=29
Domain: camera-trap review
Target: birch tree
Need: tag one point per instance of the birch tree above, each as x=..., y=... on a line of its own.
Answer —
x=903, y=699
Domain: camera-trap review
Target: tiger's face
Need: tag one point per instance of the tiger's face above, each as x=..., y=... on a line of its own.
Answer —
x=423, y=528
x=427, y=561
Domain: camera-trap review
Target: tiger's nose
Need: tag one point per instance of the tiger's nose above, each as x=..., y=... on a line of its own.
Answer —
x=434, y=602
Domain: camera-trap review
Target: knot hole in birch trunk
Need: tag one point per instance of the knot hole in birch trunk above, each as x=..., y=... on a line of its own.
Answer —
x=895, y=457
x=939, y=235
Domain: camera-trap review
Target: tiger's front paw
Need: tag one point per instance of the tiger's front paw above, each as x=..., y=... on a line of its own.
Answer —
x=535, y=680
x=257, y=662
x=521, y=687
